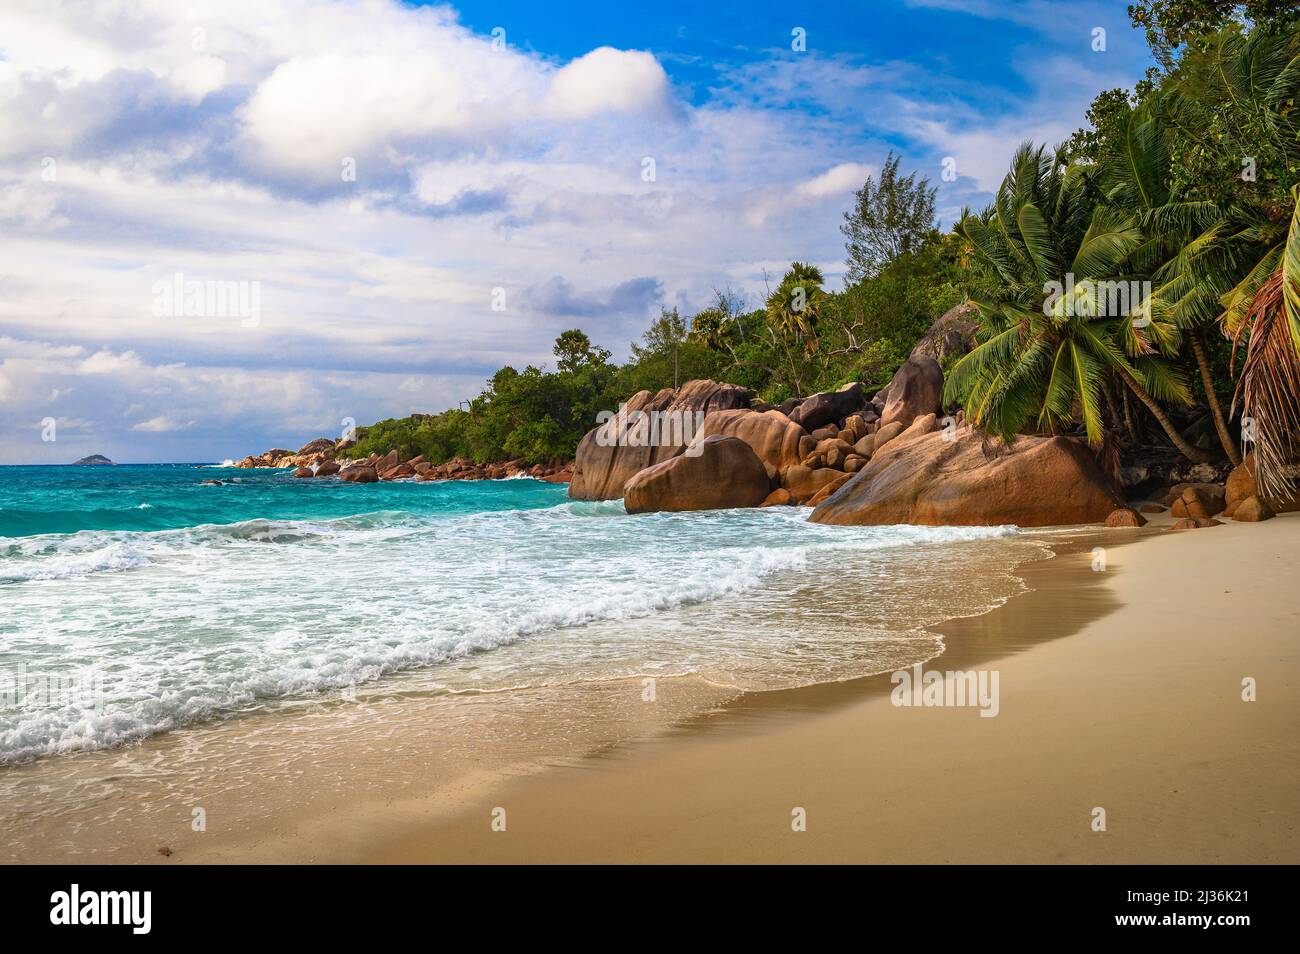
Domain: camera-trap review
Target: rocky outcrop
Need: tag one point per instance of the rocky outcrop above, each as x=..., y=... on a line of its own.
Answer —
x=359, y=474
x=724, y=473
x=770, y=434
x=1241, y=485
x=827, y=407
x=634, y=439
x=961, y=478
x=804, y=482
x=917, y=388
x=951, y=336
x=94, y=460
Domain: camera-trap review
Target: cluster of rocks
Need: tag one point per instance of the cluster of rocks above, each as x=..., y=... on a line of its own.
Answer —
x=797, y=453
x=391, y=466
x=322, y=458
x=892, y=458
x=1196, y=504
x=310, y=454
x=885, y=459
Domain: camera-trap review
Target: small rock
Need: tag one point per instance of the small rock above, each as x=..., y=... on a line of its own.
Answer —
x=1125, y=517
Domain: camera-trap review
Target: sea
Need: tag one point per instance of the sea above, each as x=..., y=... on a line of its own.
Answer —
x=140, y=600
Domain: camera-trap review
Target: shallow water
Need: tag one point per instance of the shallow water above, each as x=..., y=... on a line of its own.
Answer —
x=131, y=625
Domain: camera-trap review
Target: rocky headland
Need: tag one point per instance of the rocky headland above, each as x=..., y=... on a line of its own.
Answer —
x=324, y=457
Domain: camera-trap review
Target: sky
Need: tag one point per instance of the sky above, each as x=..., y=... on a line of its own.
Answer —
x=227, y=225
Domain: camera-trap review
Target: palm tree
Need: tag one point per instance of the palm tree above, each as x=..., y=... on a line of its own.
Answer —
x=1051, y=336
x=1242, y=267
x=793, y=309
x=1135, y=170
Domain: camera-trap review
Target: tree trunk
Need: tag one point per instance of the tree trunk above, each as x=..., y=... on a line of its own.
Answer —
x=1194, y=454
x=1134, y=435
x=1220, y=425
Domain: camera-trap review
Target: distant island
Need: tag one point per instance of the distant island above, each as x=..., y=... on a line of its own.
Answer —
x=94, y=460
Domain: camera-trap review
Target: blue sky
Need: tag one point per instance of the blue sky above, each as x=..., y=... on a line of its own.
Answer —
x=497, y=192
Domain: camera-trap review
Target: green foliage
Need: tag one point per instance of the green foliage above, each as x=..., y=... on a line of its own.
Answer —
x=888, y=219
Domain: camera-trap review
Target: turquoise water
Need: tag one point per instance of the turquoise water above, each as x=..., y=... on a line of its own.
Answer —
x=37, y=500
x=140, y=599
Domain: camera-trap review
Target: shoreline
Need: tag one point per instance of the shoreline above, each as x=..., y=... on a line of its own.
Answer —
x=879, y=783
x=370, y=832
x=1135, y=709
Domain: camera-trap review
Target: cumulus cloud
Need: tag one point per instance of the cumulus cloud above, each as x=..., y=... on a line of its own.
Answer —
x=386, y=176
x=607, y=80
x=837, y=180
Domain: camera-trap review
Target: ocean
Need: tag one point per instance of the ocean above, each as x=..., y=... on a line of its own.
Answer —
x=147, y=599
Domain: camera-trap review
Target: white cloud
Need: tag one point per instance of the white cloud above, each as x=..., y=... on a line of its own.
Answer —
x=162, y=424
x=607, y=80
x=837, y=180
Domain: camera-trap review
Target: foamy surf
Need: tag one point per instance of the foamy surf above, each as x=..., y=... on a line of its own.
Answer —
x=482, y=587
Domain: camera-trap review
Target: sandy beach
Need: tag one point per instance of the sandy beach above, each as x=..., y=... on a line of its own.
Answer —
x=1119, y=689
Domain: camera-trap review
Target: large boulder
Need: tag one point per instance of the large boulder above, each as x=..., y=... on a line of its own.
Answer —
x=321, y=445
x=359, y=474
x=960, y=477
x=828, y=406
x=770, y=434
x=724, y=473
x=1197, y=501
x=917, y=388
x=951, y=335
x=1252, y=510
x=623, y=445
x=1242, y=485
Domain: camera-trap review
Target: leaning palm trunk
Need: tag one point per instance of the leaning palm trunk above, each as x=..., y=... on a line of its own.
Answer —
x=1194, y=454
x=1220, y=425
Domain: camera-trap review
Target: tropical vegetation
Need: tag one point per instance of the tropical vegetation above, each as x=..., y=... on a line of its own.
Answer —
x=1137, y=285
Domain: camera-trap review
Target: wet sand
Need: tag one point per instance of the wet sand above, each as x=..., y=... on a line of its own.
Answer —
x=1119, y=690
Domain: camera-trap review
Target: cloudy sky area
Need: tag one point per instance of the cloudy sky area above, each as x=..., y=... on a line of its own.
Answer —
x=140, y=140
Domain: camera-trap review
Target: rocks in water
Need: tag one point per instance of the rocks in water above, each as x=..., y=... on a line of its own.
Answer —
x=1152, y=508
x=1252, y=510
x=1125, y=517
x=778, y=498
x=828, y=406
x=962, y=478
x=304, y=472
x=624, y=445
x=328, y=468
x=724, y=473
x=834, y=485
x=917, y=388
x=770, y=434
x=359, y=474
x=94, y=460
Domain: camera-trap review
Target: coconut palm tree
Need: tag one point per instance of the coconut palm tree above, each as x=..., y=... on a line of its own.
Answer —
x=1135, y=171
x=1236, y=103
x=1051, y=333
